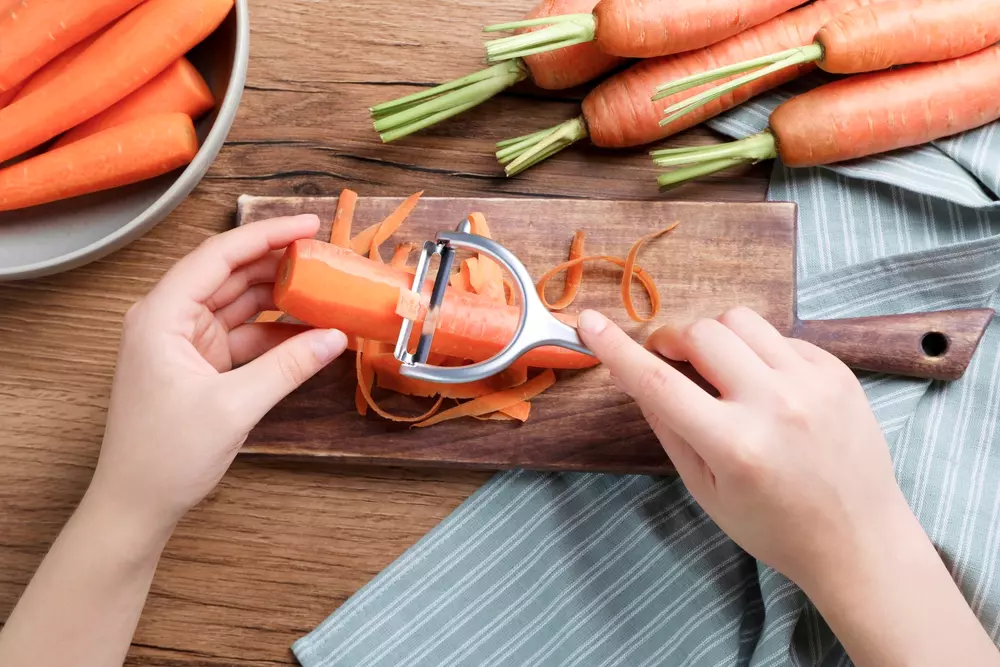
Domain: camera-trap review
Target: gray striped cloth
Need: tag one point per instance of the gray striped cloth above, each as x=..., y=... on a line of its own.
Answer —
x=576, y=569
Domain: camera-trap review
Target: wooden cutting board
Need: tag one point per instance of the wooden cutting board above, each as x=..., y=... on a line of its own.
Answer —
x=722, y=255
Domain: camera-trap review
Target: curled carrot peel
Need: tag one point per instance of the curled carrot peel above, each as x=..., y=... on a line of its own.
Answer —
x=638, y=273
x=486, y=275
x=518, y=412
x=654, y=295
x=340, y=233
x=574, y=276
x=495, y=402
x=393, y=222
x=366, y=394
x=401, y=254
x=362, y=243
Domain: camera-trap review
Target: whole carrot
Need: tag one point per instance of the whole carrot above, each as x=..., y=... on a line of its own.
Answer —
x=867, y=39
x=126, y=154
x=328, y=286
x=639, y=28
x=618, y=112
x=178, y=89
x=55, y=67
x=860, y=116
x=33, y=33
x=129, y=54
x=550, y=71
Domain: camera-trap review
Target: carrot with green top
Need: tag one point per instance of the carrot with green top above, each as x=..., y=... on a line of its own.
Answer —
x=877, y=37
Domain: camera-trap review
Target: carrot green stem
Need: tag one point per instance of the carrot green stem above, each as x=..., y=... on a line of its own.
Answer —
x=406, y=115
x=562, y=31
x=705, y=160
x=525, y=152
x=778, y=62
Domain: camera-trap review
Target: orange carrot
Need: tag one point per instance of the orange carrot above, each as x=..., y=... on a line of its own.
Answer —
x=340, y=232
x=639, y=28
x=129, y=54
x=34, y=33
x=566, y=68
x=178, y=89
x=56, y=66
x=866, y=39
x=125, y=154
x=863, y=115
x=618, y=113
x=495, y=402
x=7, y=97
x=574, y=276
x=330, y=287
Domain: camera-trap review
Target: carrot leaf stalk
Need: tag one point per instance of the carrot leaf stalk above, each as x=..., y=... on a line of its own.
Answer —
x=757, y=68
x=705, y=160
x=525, y=152
x=561, y=31
x=406, y=115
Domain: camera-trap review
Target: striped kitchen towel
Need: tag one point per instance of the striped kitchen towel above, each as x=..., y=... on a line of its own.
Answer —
x=576, y=569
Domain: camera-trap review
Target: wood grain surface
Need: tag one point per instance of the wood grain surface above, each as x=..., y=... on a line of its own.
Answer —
x=281, y=544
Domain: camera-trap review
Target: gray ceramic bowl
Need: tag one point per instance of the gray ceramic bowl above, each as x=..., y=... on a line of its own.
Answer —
x=64, y=235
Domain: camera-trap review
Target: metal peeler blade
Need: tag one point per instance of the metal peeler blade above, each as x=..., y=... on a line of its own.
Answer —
x=537, y=327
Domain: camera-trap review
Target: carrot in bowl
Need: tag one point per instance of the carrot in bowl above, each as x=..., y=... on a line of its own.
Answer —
x=129, y=54
x=178, y=89
x=550, y=71
x=638, y=28
x=860, y=116
x=618, y=112
x=867, y=39
x=129, y=153
x=55, y=67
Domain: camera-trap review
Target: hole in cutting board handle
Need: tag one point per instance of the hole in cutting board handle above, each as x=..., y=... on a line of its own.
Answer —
x=934, y=344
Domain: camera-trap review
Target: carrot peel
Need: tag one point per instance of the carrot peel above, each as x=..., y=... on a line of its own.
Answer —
x=340, y=232
x=495, y=402
x=654, y=296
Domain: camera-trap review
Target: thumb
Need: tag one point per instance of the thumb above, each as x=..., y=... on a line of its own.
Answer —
x=264, y=382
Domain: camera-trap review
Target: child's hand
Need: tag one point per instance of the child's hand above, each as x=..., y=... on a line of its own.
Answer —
x=179, y=411
x=789, y=460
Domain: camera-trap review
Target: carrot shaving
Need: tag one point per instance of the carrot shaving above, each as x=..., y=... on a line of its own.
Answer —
x=388, y=377
x=654, y=294
x=517, y=412
x=366, y=395
x=269, y=316
x=461, y=279
x=401, y=254
x=639, y=274
x=574, y=276
x=340, y=232
x=393, y=222
x=495, y=402
x=509, y=291
x=362, y=243
x=487, y=276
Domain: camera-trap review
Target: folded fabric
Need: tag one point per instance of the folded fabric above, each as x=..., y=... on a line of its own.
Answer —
x=572, y=569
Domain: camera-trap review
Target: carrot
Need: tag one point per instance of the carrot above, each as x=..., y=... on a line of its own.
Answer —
x=55, y=66
x=122, y=155
x=340, y=231
x=862, y=115
x=8, y=96
x=129, y=54
x=330, y=287
x=494, y=402
x=564, y=69
x=178, y=89
x=34, y=33
x=574, y=276
x=639, y=28
x=618, y=113
x=866, y=39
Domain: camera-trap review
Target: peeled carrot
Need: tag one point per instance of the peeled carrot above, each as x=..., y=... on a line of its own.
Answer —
x=560, y=70
x=178, y=89
x=326, y=286
x=122, y=155
x=340, y=231
x=8, y=96
x=494, y=402
x=863, y=115
x=55, y=66
x=34, y=33
x=129, y=54
x=866, y=39
x=639, y=28
x=618, y=112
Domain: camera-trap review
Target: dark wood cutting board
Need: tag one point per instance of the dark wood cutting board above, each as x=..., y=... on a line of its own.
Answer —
x=722, y=255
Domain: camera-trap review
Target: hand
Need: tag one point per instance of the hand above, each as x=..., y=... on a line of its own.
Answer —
x=788, y=460
x=193, y=377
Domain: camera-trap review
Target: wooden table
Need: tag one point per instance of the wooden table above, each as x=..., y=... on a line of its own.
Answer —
x=280, y=544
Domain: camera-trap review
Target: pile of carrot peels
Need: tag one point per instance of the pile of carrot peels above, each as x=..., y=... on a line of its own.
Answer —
x=504, y=397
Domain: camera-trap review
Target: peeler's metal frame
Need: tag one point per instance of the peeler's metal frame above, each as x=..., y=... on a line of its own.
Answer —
x=537, y=327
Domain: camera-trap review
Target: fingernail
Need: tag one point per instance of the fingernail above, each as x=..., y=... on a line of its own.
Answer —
x=329, y=345
x=592, y=322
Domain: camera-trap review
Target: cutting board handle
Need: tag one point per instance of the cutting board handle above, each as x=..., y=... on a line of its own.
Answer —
x=936, y=346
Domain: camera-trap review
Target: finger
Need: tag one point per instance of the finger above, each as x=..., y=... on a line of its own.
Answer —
x=255, y=300
x=202, y=273
x=262, y=270
x=761, y=337
x=717, y=353
x=689, y=411
x=262, y=383
x=249, y=341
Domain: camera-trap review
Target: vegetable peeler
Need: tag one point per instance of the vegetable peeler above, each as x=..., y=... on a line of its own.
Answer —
x=537, y=327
